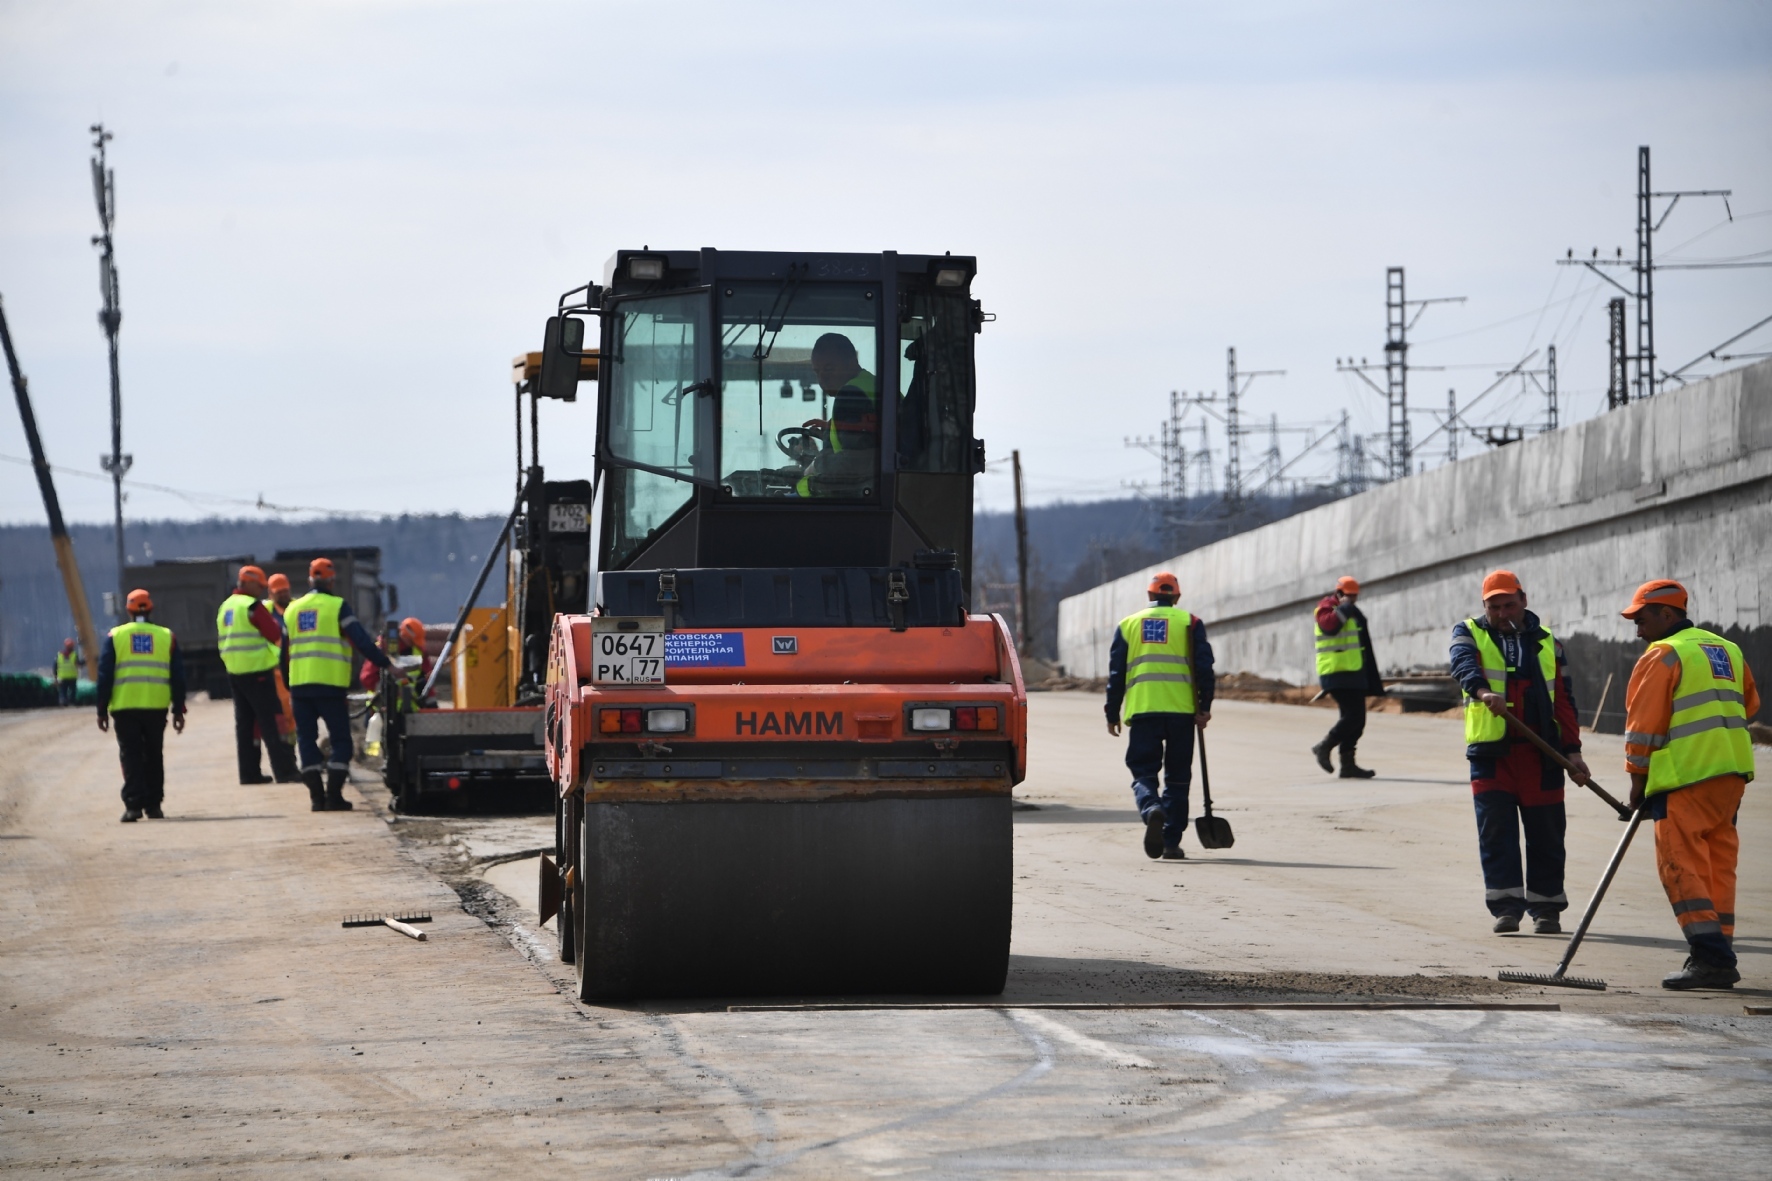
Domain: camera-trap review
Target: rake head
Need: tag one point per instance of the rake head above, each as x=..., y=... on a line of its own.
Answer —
x=375, y=920
x=1587, y=982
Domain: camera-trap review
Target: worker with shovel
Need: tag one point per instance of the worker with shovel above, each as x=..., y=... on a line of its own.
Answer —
x=1689, y=757
x=1160, y=679
x=1506, y=660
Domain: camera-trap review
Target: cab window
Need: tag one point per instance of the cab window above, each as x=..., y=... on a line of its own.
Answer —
x=799, y=395
x=935, y=382
x=658, y=417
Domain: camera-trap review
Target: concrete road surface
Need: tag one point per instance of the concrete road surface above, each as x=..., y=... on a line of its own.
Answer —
x=179, y=998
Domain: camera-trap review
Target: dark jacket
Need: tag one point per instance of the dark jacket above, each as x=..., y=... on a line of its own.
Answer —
x=1203, y=678
x=1527, y=693
x=107, y=672
x=1331, y=615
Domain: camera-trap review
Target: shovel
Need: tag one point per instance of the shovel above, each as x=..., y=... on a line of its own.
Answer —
x=1214, y=831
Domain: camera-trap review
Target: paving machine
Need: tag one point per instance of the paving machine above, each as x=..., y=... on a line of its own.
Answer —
x=783, y=746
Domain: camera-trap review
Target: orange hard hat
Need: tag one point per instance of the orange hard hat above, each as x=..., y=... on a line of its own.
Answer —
x=321, y=568
x=251, y=576
x=1348, y=584
x=138, y=602
x=1664, y=592
x=1164, y=583
x=413, y=632
x=279, y=582
x=1502, y=582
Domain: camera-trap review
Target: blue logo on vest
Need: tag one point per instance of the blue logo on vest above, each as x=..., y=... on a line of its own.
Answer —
x=307, y=621
x=141, y=644
x=1156, y=631
x=228, y=617
x=1721, y=667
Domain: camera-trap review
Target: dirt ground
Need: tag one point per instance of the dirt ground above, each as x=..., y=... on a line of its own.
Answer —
x=179, y=997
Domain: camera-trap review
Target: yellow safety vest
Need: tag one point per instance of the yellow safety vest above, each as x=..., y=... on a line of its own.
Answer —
x=1338, y=652
x=243, y=649
x=862, y=382
x=1479, y=724
x=1707, y=735
x=318, y=652
x=1159, y=662
x=67, y=666
x=143, y=677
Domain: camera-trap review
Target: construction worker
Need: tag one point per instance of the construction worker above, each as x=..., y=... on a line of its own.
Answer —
x=1507, y=661
x=67, y=673
x=276, y=604
x=140, y=676
x=251, y=643
x=1347, y=670
x=322, y=631
x=1689, y=756
x=1160, y=680
x=409, y=641
x=854, y=424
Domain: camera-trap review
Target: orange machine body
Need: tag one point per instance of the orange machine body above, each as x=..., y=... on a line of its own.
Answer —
x=835, y=703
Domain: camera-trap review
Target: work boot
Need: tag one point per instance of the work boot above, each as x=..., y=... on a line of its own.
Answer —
x=1506, y=924
x=1173, y=853
x=154, y=812
x=1153, y=833
x=316, y=790
x=131, y=814
x=1546, y=924
x=288, y=777
x=1697, y=974
x=1321, y=751
x=1352, y=770
x=335, y=783
x=256, y=779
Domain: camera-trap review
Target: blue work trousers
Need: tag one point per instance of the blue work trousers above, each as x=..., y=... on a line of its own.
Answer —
x=1162, y=743
x=1500, y=820
x=336, y=712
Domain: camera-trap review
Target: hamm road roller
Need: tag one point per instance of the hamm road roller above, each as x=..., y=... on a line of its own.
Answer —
x=784, y=746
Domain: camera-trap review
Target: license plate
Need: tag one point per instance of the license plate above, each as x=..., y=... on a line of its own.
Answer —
x=627, y=651
x=568, y=518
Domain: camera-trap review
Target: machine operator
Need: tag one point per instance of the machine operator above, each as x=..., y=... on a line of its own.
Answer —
x=853, y=428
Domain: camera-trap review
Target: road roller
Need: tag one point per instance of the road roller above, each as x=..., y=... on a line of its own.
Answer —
x=784, y=745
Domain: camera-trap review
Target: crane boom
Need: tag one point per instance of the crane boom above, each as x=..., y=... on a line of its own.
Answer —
x=58, y=530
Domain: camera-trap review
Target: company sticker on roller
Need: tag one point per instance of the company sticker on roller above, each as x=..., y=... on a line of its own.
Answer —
x=704, y=650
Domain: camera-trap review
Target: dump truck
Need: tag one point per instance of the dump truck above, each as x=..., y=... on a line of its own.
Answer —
x=784, y=747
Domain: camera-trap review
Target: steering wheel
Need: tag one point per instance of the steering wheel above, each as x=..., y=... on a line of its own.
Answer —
x=800, y=443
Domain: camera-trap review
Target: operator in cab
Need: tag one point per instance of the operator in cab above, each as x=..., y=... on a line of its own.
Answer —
x=852, y=433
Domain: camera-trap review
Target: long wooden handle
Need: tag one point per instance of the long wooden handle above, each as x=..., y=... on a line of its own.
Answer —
x=1556, y=756
x=405, y=929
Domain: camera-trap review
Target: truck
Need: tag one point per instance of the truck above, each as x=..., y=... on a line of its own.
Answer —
x=783, y=746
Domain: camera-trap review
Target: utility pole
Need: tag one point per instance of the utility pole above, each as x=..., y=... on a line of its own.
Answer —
x=1550, y=388
x=52, y=508
x=1023, y=633
x=1397, y=323
x=1451, y=426
x=1617, y=356
x=1235, y=386
x=1646, y=382
x=110, y=318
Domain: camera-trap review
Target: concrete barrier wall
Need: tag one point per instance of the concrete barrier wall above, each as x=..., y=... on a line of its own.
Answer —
x=1677, y=486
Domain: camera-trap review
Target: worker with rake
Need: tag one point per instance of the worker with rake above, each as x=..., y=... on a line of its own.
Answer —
x=1160, y=678
x=1506, y=660
x=1690, y=757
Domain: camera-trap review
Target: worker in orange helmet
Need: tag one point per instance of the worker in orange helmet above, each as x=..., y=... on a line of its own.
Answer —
x=409, y=640
x=322, y=631
x=276, y=603
x=67, y=673
x=1347, y=670
x=1160, y=680
x=251, y=640
x=140, y=677
x=1687, y=749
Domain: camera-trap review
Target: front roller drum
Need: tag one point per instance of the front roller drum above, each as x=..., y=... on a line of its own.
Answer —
x=826, y=898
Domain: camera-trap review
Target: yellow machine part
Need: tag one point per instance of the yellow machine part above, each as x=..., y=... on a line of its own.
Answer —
x=483, y=664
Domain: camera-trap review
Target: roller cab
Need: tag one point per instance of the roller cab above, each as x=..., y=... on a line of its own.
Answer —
x=784, y=747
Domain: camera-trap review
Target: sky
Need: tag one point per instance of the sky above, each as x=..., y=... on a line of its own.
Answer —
x=339, y=221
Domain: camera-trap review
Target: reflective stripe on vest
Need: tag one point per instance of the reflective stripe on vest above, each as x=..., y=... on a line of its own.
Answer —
x=67, y=666
x=243, y=649
x=318, y=653
x=143, y=678
x=1339, y=652
x=1159, y=662
x=1479, y=724
x=1707, y=734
